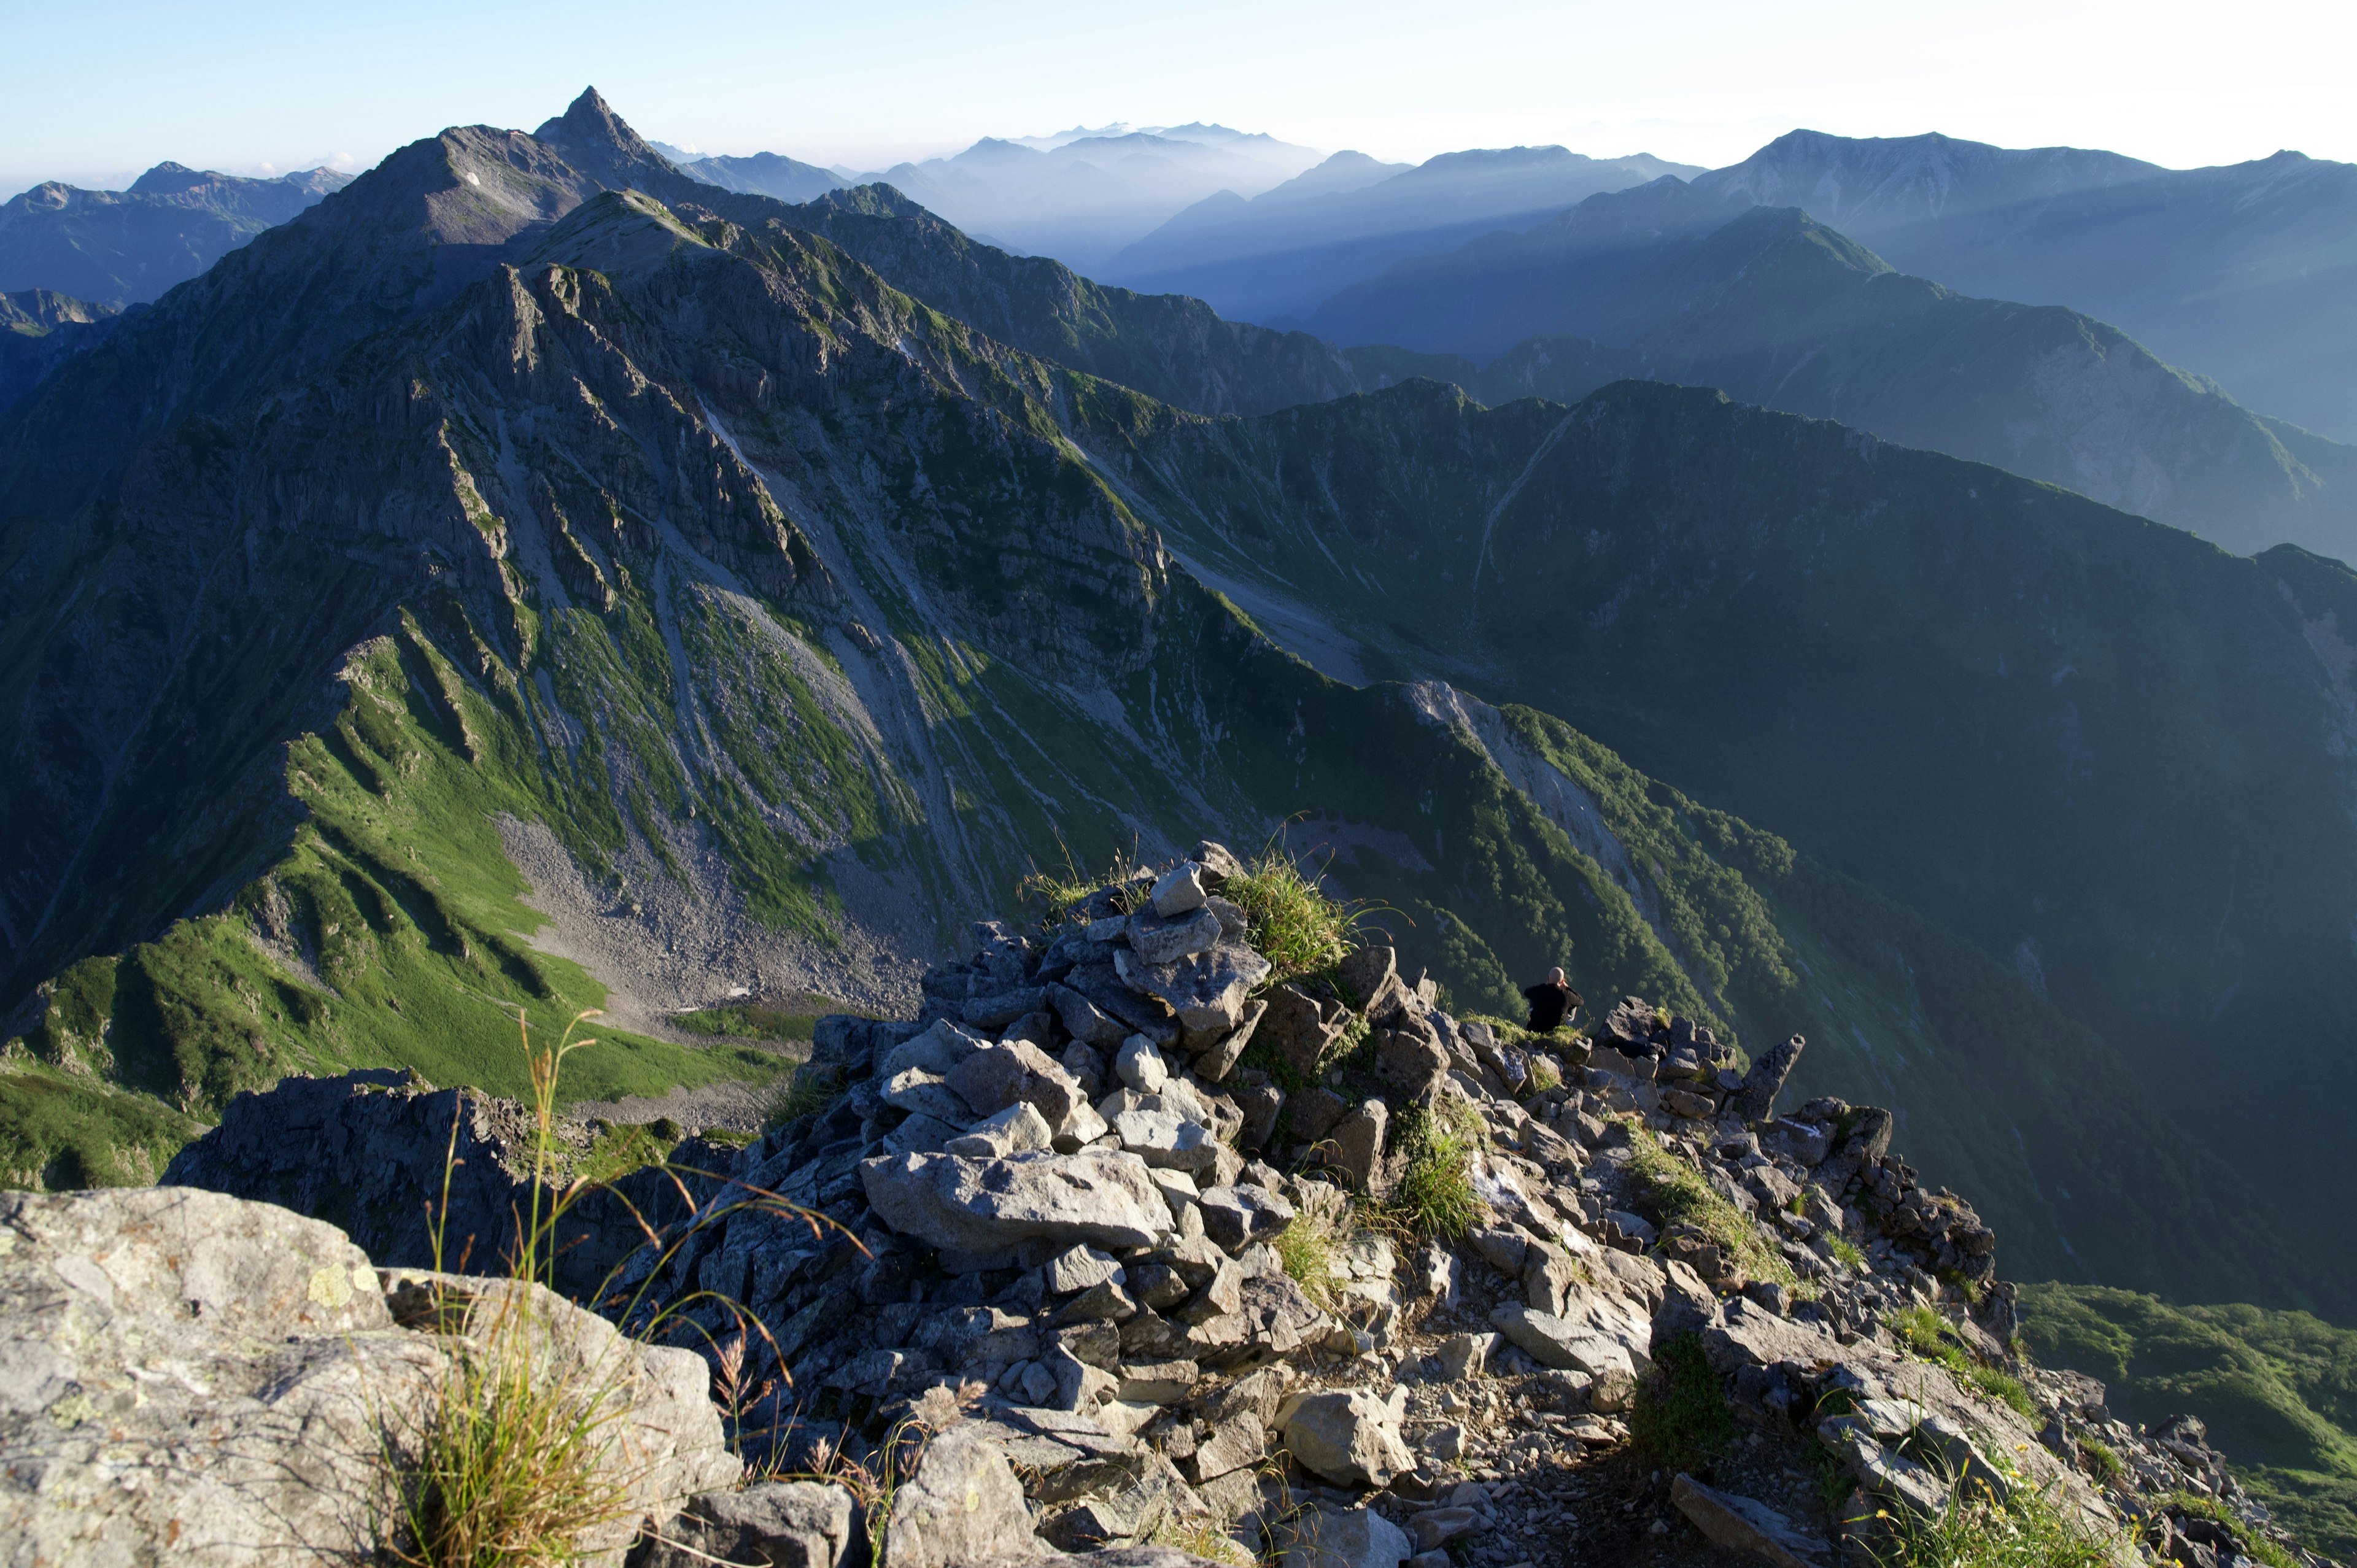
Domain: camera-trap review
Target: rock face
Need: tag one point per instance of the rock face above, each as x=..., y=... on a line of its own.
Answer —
x=189, y=1375
x=1106, y=1197
x=779, y=1524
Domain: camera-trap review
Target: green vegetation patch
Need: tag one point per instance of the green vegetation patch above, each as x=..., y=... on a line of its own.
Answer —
x=1679, y=1196
x=2276, y=1389
x=1435, y=1195
x=1681, y=1420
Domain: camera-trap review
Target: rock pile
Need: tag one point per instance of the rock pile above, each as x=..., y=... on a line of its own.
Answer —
x=1112, y=1247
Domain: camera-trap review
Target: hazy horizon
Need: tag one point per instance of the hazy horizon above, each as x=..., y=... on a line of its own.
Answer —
x=279, y=90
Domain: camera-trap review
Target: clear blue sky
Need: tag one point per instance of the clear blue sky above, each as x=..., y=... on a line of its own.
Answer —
x=97, y=91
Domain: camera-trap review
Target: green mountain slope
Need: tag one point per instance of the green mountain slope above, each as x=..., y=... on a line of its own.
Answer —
x=2277, y=1389
x=2089, y=744
x=1773, y=307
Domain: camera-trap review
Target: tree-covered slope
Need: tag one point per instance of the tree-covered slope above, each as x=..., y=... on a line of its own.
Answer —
x=2277, y=1389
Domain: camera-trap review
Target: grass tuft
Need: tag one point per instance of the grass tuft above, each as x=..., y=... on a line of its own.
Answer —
x=1295, y=926
x=1309, y=1245
x=2031, y=1530
x=1681, y=1197
x=1435, y=1195
x=1681, y=1420
x=810, y=1090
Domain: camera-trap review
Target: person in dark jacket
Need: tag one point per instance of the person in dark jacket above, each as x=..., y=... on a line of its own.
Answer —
x=1553, y=1002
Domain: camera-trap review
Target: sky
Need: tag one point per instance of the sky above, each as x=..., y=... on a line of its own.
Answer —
x=103, y=89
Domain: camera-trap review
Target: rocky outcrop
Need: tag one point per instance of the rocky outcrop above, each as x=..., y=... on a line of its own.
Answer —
x=191, y=1375
x=1098, y=1326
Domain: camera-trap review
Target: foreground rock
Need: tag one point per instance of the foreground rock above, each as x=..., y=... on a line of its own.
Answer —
x=194, y=1375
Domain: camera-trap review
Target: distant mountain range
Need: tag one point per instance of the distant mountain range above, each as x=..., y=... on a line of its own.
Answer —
x=1278, y=255
x=2246, y=274
x=1083, y=198
x=1777, y=309
x=766, y=174
x=121, y=247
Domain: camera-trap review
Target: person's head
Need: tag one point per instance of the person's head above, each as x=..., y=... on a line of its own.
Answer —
x=1556, y=977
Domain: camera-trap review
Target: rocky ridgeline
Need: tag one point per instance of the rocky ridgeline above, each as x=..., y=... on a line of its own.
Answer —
x=1109, y=1249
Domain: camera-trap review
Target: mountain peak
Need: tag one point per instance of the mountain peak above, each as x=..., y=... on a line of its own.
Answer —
x=168, y=178
x=591, y=125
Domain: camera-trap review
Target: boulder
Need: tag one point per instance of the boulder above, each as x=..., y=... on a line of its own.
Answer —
x=1179, y=892
x=1083, y=1019
x=1219, y=1058
x=1743, y=1525
x=1553, y=1341
x=1261, y=1103
x=1140, y=1065
x=779, y=1524
x=1101, y=1197
x=1350, y=1437
x=1078, y=1267
x=921, y=1094
x=1016, y=1130
x=193, y=1376
x=1206, y=990
x=1299, y=1028
x=1408, y=1057
x=1236, y=1217
x=1466, y=1356
x=1357, y=1145
x=1012, y=1072
x=1155, y=939
x=1756, y=1100
x=961, y=1508
x=1327, y=1537
x=1163, y=1138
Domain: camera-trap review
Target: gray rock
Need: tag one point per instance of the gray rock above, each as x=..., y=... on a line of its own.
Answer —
x=188, y=1375
x=1083, y=1019
x=1140, y=1065
x=920, y=1134
x=921, y=1094
x=1205, y=990
x=1409, y=1059
x=778, y=1524
x=1261, y=1103
x=1366, y=971
x=1357, y=1145
x=1157, y=1383
x=936, y=1049
x=1233, y=1443
x=1016, y=1130
x=1219, y=1058
x=1164, y=1138
x=1014, y=1071
x=1502, y=1247
x=1350, y=1437
x=1101, y=1196
x=1078, y=1267
x=1466, y=1356
x=1236, y=1217
x=1326, y=1537
x=1002, y=1008
x=1181, y=891
x=1756, y=1100
x=1743, y=1524
x=1435, y=1528
x=1553, y=1341
x=962, y=1506
x=1315, y=1111
x=1299, y=1028
x=1157, y=940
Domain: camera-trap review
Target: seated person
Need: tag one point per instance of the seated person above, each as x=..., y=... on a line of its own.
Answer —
x=1553, y=1002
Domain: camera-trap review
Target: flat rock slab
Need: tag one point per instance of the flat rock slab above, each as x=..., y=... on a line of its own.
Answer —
x=1742, y=1524
x=1103, y=1197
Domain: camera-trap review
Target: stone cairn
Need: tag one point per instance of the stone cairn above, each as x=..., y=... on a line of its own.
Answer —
x=1017, y=1285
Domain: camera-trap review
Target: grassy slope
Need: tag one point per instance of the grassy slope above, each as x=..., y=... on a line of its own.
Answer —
x=2277, y=1389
